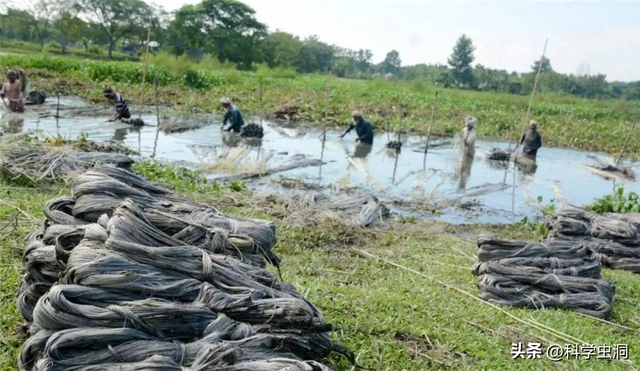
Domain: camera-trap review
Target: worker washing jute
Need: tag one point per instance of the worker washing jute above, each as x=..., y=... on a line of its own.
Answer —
x=232, y=115
x=363, y=129
x=122, y=108
x=532, y=141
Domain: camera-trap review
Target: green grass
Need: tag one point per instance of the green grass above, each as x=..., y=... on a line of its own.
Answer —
x=324, y=100
x=17, y=202
x=393, y=319
x=23, y=47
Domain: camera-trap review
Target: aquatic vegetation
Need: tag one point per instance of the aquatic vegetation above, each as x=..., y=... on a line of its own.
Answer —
x=324, y=100
x=619, y=202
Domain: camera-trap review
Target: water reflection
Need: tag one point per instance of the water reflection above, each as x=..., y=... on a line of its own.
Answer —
x=362, y=150
x=463, y=168
x=231, y=139
x=14, y=125
x=120, y=134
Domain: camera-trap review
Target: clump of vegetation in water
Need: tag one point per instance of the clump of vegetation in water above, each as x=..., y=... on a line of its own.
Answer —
x=619, y=202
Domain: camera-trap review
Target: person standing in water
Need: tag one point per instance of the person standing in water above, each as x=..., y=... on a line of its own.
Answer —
x=363, y=129
x=532, y=141
x=122, y=108
x=468, y=135
x=232, y=115
x=13, y=91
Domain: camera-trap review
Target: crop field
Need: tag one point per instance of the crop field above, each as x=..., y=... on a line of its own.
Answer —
x=565, y=121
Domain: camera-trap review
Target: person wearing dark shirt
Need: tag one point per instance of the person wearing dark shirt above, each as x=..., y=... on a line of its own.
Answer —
x=532, y=141
x=122, y=108
x=363, y=129
x=232, y=115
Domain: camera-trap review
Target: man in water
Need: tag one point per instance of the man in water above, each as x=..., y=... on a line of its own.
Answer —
x=13, y=91
x=532, y=141
x=363, y=129
x=468, y=136
x=232, y=115
x=122, y=109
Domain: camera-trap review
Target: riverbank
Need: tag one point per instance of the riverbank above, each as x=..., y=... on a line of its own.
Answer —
x=327, y=101
x=393, y=318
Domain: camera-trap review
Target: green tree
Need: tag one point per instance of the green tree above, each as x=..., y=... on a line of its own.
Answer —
x=461, y=59
x=118, y=18
x=363, y=58
x=40, y=12
x=545, y=68
x=281, y=49
x=17, y=24
x=315, y=56
x=186, y=30
x=225, y=28
x=392, y=63
x=68, y=27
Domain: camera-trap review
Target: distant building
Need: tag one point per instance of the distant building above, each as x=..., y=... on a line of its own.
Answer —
x=135, y=47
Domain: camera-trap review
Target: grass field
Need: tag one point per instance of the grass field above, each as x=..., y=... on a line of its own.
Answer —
x=324, y=100
x=23, y=47
x=392, y=318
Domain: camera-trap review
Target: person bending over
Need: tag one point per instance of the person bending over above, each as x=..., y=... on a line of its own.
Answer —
x=122, y=109
x=232, y=115
x=532, y=141
x=363, y=129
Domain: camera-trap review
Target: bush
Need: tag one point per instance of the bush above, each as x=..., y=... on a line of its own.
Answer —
x=616, y=203
x=95, y=49
x=280, y=72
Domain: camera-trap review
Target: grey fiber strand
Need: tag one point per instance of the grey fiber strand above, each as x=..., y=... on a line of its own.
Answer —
x=149, y=280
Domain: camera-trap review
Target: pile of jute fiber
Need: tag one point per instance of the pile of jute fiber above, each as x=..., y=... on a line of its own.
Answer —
x=552, y=274
x=125, y=275
x=615, y=238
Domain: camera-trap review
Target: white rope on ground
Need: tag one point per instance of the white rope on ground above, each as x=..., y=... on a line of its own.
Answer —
x=560, y=335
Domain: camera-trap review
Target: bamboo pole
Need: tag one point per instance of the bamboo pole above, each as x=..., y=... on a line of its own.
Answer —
x=144, y=72
x=155, y=142
x=524, y=125
x=624, y=146
x=533, y=94
x=433, y=115
x=58, y=105
x=261, y=106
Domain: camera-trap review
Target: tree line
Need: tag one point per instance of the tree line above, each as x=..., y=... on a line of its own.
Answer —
x=230, y=31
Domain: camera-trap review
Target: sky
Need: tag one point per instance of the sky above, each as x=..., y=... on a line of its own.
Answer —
x=583, y=36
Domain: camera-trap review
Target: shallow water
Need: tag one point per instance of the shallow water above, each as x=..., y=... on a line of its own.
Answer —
x=446, y=174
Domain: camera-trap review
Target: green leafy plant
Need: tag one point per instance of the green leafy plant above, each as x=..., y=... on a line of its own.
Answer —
x=184, y=180
x=619, y=202
x=539, y=229
x=94, y=49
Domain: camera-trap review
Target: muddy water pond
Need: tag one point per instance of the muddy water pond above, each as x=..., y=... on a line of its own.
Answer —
x=447, y=185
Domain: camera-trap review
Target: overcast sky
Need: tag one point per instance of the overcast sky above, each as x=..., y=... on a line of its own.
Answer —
x=584, y=36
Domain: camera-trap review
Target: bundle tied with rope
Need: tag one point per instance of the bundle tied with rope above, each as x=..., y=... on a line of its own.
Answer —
x=550, y=274
x=160, y=217
x=614, y=237
x=252, y=131
x=498, y=154
x=159, y=282
x=394, y=144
